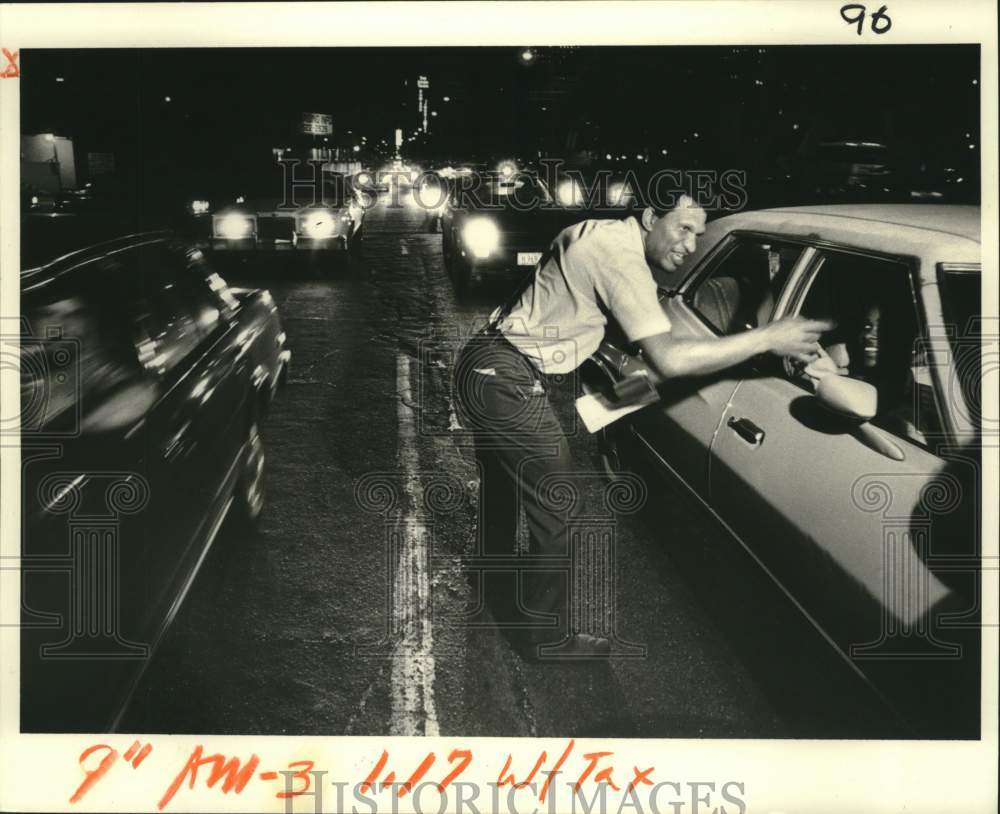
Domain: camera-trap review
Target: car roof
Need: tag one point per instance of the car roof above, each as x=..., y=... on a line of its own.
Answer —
x=934, y=233
x=961, y=221
x=53, y=247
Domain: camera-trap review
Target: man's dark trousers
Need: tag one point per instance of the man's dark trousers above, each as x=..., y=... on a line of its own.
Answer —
x=521, y=450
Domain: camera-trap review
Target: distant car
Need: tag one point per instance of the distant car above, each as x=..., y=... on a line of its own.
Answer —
x=144, y=382
x=498, y=222
x=429, y=194
x=853, y=481
x=106, y=194
x=332, y=226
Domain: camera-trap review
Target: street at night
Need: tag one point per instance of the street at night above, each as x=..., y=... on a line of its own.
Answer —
x=271, y=639
x=429, y=399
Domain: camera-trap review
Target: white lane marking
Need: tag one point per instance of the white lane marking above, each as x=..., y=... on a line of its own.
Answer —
x=412, y=678
x=402, y=248
x=454, y=425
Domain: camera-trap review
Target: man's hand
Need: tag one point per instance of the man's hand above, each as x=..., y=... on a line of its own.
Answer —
x=670, y=358
x=796, y=337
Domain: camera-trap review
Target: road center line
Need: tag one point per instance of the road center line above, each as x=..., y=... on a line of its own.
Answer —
x=412, y=678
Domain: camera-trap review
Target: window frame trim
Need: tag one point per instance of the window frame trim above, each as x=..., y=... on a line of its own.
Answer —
x=721, y=251
x=941, y=270
x=799, y=288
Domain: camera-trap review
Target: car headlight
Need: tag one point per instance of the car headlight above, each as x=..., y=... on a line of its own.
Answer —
x=234, y=226
x=568, y=193
x=619, y=194
x=318, y=225
x=199, y=207
x=481, y=236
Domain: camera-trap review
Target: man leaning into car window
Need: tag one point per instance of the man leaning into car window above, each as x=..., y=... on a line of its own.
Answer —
x=591, y=270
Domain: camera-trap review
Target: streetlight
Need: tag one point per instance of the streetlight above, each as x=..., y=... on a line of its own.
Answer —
x=445, y=98
x=166, y=99
x=357, y=148
x=527, y=55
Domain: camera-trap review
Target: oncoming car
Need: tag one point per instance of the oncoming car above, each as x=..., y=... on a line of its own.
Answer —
x=502, y=221
x=852, y=481
x=145, y=380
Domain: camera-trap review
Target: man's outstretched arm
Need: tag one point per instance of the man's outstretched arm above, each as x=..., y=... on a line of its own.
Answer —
x=670, y=358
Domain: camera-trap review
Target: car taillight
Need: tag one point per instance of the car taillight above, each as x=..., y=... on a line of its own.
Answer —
x=234, y=226
x=319, y=225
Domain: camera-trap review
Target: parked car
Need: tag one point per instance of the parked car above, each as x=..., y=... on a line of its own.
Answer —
x=144, y=382
x=853, y=482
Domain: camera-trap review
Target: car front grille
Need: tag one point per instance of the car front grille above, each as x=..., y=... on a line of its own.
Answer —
x=276, y=228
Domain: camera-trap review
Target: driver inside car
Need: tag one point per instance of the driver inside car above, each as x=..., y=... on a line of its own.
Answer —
x=881, y=359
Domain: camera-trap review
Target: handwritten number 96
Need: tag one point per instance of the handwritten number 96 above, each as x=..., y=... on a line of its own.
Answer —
x=854, y=13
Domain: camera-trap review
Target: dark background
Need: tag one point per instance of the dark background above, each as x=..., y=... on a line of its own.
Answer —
x=773, y=111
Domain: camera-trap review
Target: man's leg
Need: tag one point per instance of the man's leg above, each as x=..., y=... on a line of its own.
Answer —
x=527, y=454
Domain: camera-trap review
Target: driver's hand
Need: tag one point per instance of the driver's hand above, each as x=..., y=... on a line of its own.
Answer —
x=796, y=337
x=822, y=365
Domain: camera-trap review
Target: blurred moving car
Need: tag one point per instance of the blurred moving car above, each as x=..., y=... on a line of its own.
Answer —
x=504, y=220
x=854, y=481
x=144, y=381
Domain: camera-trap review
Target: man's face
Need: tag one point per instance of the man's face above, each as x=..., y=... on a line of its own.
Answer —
x=673, y=236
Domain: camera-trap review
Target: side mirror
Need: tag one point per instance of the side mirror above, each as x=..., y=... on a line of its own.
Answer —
x=848, y=397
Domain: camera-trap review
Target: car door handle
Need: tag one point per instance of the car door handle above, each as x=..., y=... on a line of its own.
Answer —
x=746, y=430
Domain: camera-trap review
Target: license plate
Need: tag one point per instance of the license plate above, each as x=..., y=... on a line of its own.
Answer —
x=528, y=258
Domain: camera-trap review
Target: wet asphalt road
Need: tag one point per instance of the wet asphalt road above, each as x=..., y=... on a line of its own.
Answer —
x=321, y=624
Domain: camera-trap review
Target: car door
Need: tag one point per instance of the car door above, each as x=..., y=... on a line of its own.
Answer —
x=733, y=291
x=837, y=509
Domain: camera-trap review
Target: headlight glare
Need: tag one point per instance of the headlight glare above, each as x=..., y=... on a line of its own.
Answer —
x=235, y=226
x=318, y=225
x=568, y=193
x=481, y=236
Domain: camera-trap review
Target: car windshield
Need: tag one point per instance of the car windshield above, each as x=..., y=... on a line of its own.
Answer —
x=269, y=189
x=961, y=303
x=522, y=190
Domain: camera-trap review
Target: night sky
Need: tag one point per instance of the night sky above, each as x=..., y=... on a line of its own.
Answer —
x=720, y=107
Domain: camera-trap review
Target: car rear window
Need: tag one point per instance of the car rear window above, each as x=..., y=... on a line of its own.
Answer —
x=961, y=302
